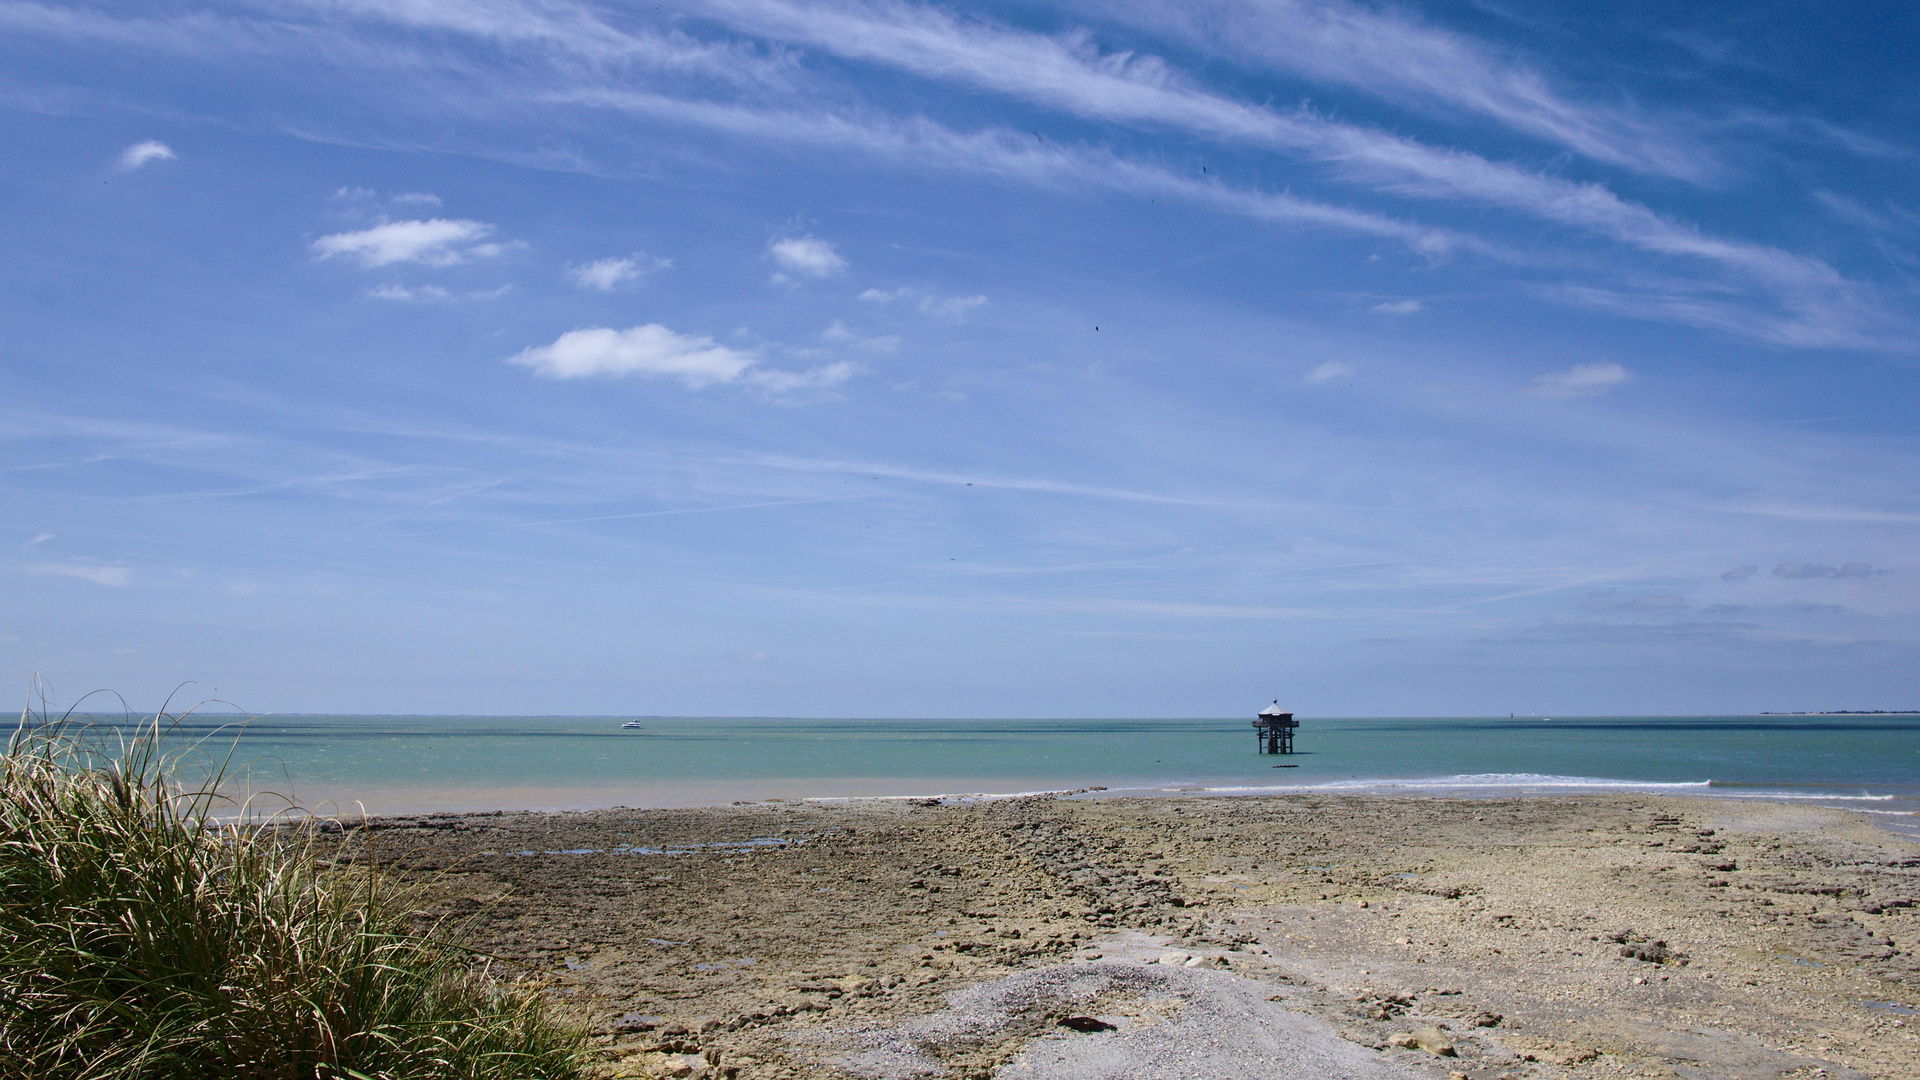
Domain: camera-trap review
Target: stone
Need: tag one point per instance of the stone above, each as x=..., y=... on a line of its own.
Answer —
x=1434, y=1041
x=1655, y=952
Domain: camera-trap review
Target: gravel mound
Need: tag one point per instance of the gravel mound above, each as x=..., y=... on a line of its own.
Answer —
x=1169, y=1023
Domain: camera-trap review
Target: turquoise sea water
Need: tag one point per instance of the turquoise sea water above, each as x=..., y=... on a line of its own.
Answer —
x=412, y=763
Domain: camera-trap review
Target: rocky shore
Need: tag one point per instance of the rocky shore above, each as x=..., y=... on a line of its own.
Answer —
x=1622, y=936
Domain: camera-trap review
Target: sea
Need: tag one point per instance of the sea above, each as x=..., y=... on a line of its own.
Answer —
x=416, y=764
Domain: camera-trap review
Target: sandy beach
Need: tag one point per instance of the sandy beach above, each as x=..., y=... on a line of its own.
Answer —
x=1618, y=936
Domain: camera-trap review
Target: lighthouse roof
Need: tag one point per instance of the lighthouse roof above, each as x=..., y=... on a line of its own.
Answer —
x=1274, y=710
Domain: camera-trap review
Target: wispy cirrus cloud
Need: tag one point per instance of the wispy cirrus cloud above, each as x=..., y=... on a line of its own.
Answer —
x=918, y=142
x=1394, y=55
x=1070, y=74
x=574, y=40
x=753, y=87
x=1390, y=54
x=110, y=576
x=1837, y=314
x=580, y=31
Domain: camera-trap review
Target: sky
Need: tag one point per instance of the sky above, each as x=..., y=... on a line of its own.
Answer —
x=888, y=358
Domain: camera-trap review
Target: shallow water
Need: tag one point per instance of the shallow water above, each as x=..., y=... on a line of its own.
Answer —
x=413, y=763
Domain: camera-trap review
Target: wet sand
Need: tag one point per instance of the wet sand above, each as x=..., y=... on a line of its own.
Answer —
x=883, y=939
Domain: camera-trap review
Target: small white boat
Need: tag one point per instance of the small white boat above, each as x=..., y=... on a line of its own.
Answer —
x=632, y=725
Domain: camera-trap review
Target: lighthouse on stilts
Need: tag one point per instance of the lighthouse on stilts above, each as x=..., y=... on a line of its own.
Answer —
x=1273, y=727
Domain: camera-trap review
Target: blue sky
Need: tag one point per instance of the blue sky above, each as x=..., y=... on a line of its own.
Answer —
x=782, y=357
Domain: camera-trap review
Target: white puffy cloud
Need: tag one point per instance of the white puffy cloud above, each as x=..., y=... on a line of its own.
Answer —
x=655, y=351
x=604, y=274
x=883, y=296
x=435, y=242
x=1400, y=307
x=807, y=255
x=1581, y=380
x=609, y=274
x=651, y=350
x=1327, y=372
x=113, y=576
x=142, y=152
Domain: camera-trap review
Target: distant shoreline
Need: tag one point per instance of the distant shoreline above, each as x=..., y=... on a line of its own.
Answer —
x=1848, y=712
x=199, y=718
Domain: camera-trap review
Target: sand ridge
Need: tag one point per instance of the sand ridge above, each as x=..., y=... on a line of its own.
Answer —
x=768, y=940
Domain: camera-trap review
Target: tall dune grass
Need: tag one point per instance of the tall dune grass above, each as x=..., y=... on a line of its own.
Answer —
x=142, y=934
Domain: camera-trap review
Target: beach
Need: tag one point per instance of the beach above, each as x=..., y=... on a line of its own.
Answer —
x=882, y=938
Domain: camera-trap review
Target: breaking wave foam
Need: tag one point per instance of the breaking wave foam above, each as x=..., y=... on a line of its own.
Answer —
x=1863, y=797
x=1488, y=782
